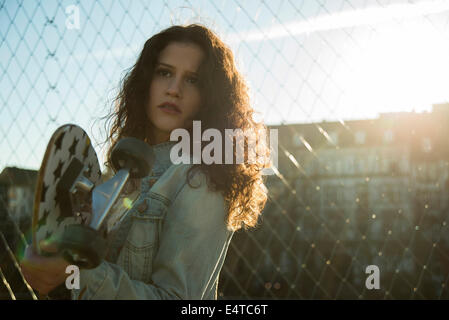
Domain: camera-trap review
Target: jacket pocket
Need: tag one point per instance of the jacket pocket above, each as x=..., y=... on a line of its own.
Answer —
x=142, y=241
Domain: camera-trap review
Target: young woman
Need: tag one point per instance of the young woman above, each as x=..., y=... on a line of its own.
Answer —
x=174, y=240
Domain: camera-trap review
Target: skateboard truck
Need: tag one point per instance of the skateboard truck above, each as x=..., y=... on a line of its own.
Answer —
x=85, y=245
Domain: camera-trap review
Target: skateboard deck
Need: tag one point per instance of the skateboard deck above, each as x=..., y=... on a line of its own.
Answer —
x=68, y=146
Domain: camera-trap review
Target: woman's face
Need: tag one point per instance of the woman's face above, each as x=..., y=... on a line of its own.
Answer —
x=175, y=82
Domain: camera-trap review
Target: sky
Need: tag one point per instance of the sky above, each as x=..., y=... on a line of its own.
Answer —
x=304, y=61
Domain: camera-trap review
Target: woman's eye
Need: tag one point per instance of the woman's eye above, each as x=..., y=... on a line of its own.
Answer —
x=163, y=72
x=192, y=80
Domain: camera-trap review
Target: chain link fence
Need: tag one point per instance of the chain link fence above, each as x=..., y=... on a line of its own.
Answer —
x=356, y=89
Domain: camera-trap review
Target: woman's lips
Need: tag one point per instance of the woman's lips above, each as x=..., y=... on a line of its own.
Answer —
x=169, y=108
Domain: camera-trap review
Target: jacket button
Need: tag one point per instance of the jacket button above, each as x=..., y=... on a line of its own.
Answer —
x=142, y=207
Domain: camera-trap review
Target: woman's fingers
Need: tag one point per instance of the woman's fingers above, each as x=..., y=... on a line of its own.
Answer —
x=37, y=282
x=33, y=260
x=43, y=273
x=41, y=282
x=34, y=275
x=55, y=264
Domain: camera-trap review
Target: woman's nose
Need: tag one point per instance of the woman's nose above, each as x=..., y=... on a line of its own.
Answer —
x=174, y=87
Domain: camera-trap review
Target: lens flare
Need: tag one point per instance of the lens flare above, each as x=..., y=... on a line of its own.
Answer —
x=127, y=203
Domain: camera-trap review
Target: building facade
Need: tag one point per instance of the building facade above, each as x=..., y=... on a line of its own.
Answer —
x=351, y=194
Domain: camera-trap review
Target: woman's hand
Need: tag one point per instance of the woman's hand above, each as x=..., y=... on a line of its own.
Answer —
x=43, y=273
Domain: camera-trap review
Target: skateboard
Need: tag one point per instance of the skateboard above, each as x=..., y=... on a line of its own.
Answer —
x=72, y=204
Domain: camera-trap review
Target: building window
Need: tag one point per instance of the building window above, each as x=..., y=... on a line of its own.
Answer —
x=388, y=136
x=330, y=194
x=359, y=164
x=426, y=145
x=360, y=137
x=390, y=194
x=297, y=140
x=333, y=136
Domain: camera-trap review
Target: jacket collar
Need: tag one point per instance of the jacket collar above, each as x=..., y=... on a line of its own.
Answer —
x=161, y=162
x=162, y=158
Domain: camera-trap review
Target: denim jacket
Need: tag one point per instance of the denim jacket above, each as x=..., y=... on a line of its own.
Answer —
x=171, y=245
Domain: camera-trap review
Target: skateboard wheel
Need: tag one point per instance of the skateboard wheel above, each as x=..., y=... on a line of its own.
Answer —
x=133, y=154
x=82, y=246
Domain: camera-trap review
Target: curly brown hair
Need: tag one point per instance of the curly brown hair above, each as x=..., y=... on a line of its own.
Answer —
x=225, y=105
